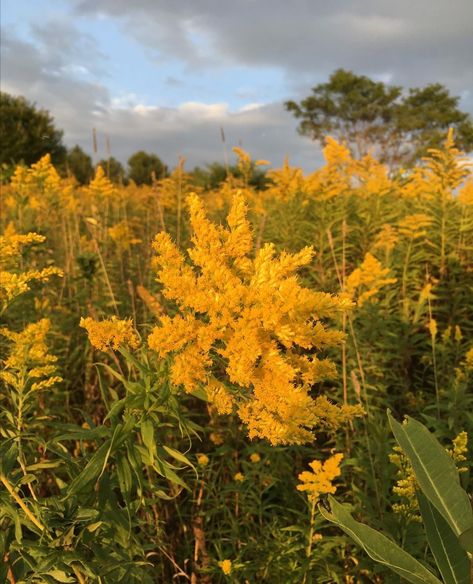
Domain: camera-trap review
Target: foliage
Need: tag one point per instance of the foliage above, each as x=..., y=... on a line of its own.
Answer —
x=113, y=170
x=79, y=164
x=371, y=115
x=445, y=509
x=143, y=168
x=27, y=133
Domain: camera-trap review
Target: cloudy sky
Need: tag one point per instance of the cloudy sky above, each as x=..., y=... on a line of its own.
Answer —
x=165, y=75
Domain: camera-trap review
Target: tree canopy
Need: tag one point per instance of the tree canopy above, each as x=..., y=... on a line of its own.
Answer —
x=80, y=165
x=143, y=166
x=369, y=115
x=27, y=133
x=113, y=169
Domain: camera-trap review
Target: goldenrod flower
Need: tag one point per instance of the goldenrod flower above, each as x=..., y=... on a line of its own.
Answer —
x=111, y=333
x=13, y=281
x=252, y=318
x=226, y=566
x=101, y=186
x=28, y=360
x=368, y=279
x=319, y=481
x=122, y=236
x=406, y=485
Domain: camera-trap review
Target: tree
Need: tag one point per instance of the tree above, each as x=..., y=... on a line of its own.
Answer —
x=27, y=133
x=214, y=174
x=113, y=169
x=80, y=165
x=370, y=115
x=142, y=166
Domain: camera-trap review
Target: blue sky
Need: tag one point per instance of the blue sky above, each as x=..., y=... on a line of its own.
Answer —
x=164, y=75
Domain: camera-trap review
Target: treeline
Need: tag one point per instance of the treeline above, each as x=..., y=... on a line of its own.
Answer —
x=396, y=125
x=28, y=133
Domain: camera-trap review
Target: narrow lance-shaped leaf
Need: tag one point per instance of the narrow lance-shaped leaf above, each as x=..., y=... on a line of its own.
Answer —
x=437, y=476
x=379, y=547
x=451, y=558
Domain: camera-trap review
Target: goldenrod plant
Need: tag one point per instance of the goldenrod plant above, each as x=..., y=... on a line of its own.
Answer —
x=189, y=372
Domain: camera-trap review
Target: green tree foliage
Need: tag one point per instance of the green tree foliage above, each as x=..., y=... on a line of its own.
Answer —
x=142, y=166
x=27, y=133
x=214, y=174
x=113, y=169
x=80, y=165
x=369, y=115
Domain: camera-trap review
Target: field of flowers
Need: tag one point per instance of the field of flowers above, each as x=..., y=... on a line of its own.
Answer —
x=192, y=381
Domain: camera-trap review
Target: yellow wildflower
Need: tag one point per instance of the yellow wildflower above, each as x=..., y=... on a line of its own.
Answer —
x=14, y=282
x=29, y=358
x=226, y=566
x=415, y=226
x=203, y=459
x=406, y=485
x=433, y=329
x=241, y=325
x=239, y=477
x=386, y=239
x=370, y=277
x=469, y=359
x=219, y=396
x=458, y=334
x=111, y=333
x=255, y=457
x=100, y=186
x=459, y=450
x=122, y=236
x=216, y=438
x=319, y=481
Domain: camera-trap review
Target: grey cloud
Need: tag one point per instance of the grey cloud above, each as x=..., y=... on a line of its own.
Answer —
x=415, y=42
x=43, y=78
x=191, y=130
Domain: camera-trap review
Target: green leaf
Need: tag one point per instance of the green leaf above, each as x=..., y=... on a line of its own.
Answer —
x=178, y=456
x=378, y=546
x=437, y=476
x=147, y=433
x=92, y=470
x=125, y=479
x=452, y=559
x=60, y=576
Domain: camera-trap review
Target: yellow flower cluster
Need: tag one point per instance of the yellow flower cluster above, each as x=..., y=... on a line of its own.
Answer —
x=14, y=282
x=111, y=333
x=243, y=325
x=319, y=481
x=28, y=358
x=415, y=226
x=368, y=279
x=226, y=567
x=459, y=451
x=122, y=236
x=101, y=186
x=406, y=485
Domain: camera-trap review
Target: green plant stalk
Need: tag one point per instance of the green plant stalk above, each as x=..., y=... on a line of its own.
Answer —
x=20, y=502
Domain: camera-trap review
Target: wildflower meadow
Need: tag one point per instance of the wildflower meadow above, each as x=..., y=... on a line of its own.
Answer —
x=264, y=383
